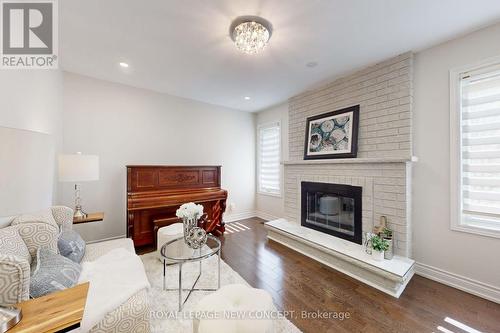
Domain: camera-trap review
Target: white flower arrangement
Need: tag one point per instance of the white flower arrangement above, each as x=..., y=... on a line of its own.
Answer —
x=189, y=210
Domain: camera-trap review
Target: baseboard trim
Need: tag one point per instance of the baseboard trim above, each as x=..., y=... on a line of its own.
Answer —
x=105, y=239
x=470, y=286
x=231, y=217
x=266, y=216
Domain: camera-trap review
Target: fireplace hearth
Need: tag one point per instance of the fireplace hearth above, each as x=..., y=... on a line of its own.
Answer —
x=334, y=209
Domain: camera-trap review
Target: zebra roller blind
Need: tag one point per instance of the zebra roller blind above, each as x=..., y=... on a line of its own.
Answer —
x=269, y=159
x=480, y=147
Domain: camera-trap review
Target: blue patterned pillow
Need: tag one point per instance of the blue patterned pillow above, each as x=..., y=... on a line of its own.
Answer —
x=71, y=245
x=52, y=272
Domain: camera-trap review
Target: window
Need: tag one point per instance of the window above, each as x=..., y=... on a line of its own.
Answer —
x=269, y=155
x=475, y=120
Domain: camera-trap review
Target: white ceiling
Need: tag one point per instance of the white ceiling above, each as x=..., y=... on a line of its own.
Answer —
x=182, y=47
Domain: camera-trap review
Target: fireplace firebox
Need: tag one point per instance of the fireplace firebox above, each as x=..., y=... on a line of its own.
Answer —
x=334, y=209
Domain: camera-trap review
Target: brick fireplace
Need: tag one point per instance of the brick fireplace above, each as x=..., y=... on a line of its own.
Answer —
x=383, y=167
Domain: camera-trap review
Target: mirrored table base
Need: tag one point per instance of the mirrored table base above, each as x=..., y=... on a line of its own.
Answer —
x=180, y=290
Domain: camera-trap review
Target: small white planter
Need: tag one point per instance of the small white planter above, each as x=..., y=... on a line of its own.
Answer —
x=377, y=255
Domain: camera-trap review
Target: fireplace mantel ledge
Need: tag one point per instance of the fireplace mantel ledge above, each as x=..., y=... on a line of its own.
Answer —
x=352, y=161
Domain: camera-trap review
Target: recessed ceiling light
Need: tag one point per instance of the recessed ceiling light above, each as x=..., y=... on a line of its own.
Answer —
x=250, y=34
x=247, y=98
x=123, y=64
x=312, y=64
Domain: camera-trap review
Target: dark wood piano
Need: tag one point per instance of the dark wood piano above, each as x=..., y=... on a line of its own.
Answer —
x=154, y=193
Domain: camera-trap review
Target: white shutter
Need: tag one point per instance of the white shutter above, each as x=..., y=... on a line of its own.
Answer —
x=480, y=147
x=269, y=159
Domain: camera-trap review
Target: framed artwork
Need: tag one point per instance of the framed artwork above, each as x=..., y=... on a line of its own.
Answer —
x=332, y=135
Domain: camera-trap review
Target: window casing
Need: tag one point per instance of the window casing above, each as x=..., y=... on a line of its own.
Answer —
x=475, y=148
x=269, y=159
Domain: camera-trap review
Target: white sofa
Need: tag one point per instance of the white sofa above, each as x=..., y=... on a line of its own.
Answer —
x=131, y=316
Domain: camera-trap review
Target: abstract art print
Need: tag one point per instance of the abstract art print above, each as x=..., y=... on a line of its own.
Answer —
x=332, y=135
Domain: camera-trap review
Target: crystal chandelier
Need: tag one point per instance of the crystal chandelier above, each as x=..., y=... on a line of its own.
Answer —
x=250, y=34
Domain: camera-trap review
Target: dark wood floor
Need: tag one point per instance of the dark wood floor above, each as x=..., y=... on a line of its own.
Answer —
x=298, y=283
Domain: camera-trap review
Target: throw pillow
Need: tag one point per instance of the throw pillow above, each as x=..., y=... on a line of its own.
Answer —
x=71, y=245
x=36, y=235
x=44, y=216
x=11, y=243
x=52, y=272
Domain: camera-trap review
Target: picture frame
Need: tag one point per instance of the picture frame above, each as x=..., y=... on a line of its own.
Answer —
x=332, y=135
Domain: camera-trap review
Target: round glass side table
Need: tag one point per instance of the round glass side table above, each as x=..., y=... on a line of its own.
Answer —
x=176, y=252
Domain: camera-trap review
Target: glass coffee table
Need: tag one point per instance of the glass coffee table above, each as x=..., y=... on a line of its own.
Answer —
x=176, y=252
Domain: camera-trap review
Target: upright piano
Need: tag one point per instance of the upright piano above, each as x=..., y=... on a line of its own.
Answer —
x=154, y=193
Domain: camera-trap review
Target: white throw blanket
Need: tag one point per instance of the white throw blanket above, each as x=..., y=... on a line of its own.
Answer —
x=114, y=278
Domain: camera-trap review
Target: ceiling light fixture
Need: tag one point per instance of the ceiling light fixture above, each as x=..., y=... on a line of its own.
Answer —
x=250, y=34
x=124, y=64
x=247, y=98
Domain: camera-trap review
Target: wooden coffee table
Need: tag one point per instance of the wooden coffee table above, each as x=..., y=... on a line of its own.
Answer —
x=60, y=311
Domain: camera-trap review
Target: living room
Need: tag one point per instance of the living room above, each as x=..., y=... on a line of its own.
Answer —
x=250, y=166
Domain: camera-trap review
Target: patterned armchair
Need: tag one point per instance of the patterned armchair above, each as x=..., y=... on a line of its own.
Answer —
x=18, y=244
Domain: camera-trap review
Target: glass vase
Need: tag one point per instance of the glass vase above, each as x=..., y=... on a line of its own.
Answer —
x=189, y=223
x=389, y=253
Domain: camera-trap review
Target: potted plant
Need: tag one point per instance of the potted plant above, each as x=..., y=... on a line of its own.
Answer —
x=387, y=235
x=379, y=245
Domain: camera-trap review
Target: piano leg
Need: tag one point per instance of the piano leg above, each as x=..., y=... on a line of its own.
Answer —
x=222, y=227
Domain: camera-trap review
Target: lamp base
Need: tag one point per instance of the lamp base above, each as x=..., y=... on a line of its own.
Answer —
x=79, y=213
x=9, y=317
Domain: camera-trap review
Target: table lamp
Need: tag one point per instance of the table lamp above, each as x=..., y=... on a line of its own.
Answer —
x=78, y=168
x=9, y=317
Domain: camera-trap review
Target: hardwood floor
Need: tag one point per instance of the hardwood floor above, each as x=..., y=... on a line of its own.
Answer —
x=298, y=283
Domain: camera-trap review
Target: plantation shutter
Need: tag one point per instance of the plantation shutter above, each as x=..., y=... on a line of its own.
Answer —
x=269, y=159
x=480, y=125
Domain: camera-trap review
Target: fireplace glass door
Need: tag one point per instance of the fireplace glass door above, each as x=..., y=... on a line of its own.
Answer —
x=332, y=208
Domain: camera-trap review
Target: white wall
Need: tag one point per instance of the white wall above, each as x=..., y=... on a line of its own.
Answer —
x=270, y=207
x=125, y=125
x=31, y=100
x=465, y=255
x=30, y=130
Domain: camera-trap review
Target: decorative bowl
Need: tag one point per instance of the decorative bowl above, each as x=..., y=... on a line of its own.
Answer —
x=196, y=238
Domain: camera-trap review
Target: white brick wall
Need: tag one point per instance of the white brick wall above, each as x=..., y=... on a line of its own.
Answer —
x=384, y=93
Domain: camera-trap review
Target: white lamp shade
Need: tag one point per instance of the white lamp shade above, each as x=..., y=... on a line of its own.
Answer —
x=78, y=168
